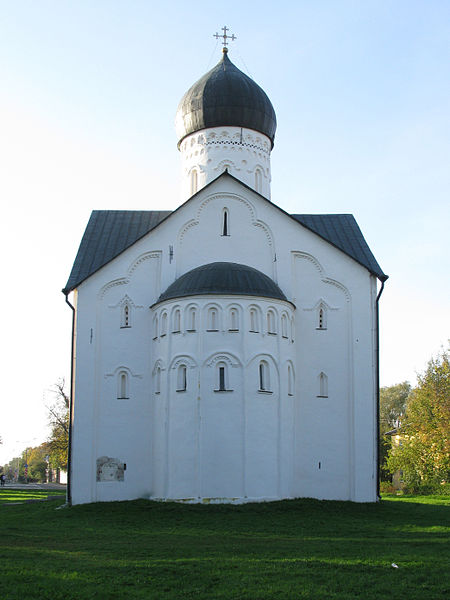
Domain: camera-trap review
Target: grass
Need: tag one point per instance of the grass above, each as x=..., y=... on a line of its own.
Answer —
x=10, y=495
x=292, y=549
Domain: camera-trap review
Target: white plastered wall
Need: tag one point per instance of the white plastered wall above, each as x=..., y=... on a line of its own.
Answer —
x=337, y=431
x=207, y=153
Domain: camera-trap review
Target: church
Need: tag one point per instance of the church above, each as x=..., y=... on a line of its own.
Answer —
x=226, y=351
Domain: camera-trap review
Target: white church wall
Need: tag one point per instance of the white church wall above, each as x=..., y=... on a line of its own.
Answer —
x=323, y=435
x=83, y=428
x=213, y=444
x=365, y=390
x=182, y=428
x=201, y=240
x=243, y=152
x=222, y=431
x=295, y=433
x=262, y=430
x=118, y=426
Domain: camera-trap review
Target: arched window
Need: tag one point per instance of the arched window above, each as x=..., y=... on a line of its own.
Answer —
x=194, y=181
x=254, y=328
x=155, y=327
x=321, y=317
x=234, y=320
x=284, y=326
x=176, y=325
x=213, y=319
x=271, y=327
x=163, y=324
x=191, y=319
x=158, y=380
x=182, y=378
x=225, y=222
x=323, y=386
x=222, y=377
x=126, y=315
x=264, y=377
x=258, y=180
x=122, y=391
x=290, y=378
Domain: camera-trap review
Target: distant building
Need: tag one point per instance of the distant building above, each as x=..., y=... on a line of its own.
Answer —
x=225, y=351
x=397, y=436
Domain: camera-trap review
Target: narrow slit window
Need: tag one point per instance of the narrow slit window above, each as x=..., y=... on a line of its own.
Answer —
x=264, y=383
x=192, y=323
x=126, y=316
x=222, y=386
x=253, y=321
x=284, y=326
x=290, y=381
x=155, y=327
x=225, y=223
x=123, y=386
x=182, y=378
x=258, y=180
x=158, y=380
x=194, y=181
x=321, y=317
x=176, y=321
x=271, y=322
x=164, y=324
x=323, y=386
x=213, y=319
x=234, y=321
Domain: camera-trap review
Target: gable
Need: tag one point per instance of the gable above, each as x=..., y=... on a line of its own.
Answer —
x=110, y=232
x=344, y=233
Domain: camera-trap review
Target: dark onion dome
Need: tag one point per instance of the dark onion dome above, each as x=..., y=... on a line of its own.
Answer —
x=225, y=97
x=223, y=278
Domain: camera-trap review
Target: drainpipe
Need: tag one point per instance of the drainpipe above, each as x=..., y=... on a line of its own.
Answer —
x=69, y=450
x=377, y=377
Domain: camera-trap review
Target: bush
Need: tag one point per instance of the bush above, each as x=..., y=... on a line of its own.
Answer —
x=428, y=489
x=386, y=487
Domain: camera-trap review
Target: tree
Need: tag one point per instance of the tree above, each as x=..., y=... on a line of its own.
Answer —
x=393, y=401
x=58, y=414
x=393, y=404
x=37, y=462
x=424, y=454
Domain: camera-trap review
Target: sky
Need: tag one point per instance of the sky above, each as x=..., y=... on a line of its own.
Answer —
x=88, y=95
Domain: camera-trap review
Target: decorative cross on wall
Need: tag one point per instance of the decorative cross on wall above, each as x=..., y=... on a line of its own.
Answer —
x=225, y=37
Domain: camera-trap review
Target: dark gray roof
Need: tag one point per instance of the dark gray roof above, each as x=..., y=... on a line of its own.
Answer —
x=224, y=278
x=225, y=96
x=343, y=232
x=108, y=233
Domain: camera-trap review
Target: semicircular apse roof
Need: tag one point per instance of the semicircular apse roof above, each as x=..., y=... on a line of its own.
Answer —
x=225, y=96
x=223, y=278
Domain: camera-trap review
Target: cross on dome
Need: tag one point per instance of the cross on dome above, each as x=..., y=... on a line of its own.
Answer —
x=225, y=37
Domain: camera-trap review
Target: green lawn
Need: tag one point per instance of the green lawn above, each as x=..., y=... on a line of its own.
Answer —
x=9, y=495
x=292, y=549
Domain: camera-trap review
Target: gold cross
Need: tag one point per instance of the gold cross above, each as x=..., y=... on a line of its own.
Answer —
x=225, y=37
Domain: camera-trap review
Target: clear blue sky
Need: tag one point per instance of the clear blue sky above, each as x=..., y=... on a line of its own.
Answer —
x=88, y=96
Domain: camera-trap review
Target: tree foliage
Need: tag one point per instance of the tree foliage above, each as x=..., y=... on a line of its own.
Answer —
x=393, y=401
x=36, y=459
x=59, y=422
x=424, y=454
